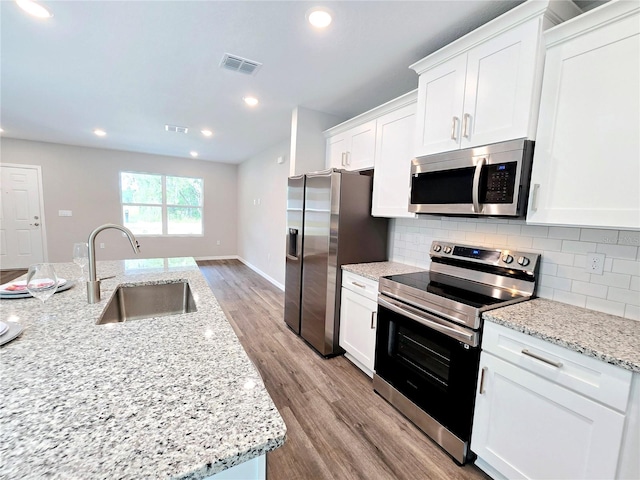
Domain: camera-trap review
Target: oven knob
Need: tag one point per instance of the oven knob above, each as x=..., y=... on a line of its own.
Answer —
x=524, y=261
x=437, y=248
x=447, y=249
x=507, y=258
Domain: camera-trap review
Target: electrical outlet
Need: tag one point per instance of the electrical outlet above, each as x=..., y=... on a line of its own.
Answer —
x=595, y=263
x=217, y=242
x=102, y=245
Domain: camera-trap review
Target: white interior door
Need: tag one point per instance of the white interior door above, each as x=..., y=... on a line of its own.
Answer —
x=21, y=225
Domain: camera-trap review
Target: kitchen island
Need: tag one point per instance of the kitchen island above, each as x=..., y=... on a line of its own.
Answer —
x=166, y=397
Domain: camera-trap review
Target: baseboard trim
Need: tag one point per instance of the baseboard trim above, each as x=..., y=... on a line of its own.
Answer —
x=262, y=274
x=220, y=257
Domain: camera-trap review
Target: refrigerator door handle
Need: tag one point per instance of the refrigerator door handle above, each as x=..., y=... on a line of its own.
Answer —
x=292, y=249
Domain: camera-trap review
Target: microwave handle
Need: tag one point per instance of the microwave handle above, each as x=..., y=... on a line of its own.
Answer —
x=477, y=208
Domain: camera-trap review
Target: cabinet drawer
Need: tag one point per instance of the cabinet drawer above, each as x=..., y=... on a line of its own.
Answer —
x=361, y=285
x=588, y=376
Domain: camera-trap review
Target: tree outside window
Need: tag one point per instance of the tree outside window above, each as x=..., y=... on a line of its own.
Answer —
x=161, y=204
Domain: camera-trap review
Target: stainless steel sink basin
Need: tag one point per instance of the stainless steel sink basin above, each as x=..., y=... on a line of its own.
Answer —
x=147, y=301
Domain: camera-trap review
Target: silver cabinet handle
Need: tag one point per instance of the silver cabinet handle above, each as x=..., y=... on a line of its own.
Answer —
x=482, y=372
x=534, y=199
x=542, y=359
x=373, y=316
x=465, y=127
x=342, y=160
x=359, y=285
x=348, y=155
x=454, y=129
x=475, y=195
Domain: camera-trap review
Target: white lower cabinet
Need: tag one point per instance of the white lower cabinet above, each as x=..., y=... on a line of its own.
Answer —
x=358, y=319
x=543, y=412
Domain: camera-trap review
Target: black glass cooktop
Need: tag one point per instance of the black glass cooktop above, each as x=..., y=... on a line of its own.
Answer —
x=457, y=289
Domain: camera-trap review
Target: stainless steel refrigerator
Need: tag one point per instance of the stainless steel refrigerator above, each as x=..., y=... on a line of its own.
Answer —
x=329, y=224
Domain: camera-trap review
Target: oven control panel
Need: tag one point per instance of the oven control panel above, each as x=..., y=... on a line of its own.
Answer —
x=512, y=259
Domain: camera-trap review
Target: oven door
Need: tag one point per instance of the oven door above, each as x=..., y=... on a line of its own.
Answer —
x=430, y=361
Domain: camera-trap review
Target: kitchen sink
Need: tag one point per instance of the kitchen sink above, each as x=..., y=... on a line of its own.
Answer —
x=136, y=302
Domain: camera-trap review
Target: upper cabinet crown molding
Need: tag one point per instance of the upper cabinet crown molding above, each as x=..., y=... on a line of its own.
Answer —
x=399, y=102
x=553, y=12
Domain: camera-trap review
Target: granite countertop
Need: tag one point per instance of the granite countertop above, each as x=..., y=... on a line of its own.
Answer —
x=609, y=338
x=168, y=397
x=375, y=270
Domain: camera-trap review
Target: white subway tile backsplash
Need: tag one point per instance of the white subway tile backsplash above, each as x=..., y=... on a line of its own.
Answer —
x=632, y=312
x=623, y=295
x=571, y=246
x=598, y=235
x=555, y=282
x=618, y=251
x=562, y=272
x=535, y=231
x=574, y=273
x=632, y=267
x=606, y=306
x=618, y=280
x=552, y=244
x=570, y=298
x=564, y=233
x=589, y=289
x=628, y=237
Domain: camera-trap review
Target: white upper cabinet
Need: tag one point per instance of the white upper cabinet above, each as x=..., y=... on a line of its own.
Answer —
x=353, y=149
x=394, y=151
x=485, y=87
x=586, y=167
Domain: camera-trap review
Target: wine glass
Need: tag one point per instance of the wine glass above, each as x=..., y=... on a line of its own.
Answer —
x=42, y=281
x=81, y=256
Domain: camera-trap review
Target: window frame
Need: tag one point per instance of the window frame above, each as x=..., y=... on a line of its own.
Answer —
x=164, y=206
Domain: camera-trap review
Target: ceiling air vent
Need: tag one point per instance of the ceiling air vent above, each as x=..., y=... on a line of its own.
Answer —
x=175, y=128
x=239, y=64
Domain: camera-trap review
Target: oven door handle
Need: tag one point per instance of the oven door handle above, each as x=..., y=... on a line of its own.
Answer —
x=431, y=321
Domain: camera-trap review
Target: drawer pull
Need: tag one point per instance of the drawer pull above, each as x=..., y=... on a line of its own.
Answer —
x=359, y=285
x=542, y=359
x=481, y=391
x=373, y=317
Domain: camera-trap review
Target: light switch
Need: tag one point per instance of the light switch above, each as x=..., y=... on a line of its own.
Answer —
x=65, y=213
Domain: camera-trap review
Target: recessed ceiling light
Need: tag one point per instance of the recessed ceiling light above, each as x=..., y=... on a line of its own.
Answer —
x=319, y=18
x=33, y=8
x=99, y=132
x=206, y=133
x=193, y=153
x=251, y=101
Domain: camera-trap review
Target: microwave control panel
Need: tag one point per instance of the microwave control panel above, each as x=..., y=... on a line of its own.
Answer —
x=498, y=181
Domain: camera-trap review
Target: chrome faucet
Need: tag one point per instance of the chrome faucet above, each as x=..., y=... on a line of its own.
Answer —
x=93, y=285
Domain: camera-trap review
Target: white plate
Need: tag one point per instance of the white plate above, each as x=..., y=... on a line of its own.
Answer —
x=13, y=331
x=3, y=328
x=62, y=286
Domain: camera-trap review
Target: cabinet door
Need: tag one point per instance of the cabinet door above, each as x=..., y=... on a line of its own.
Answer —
x=358, y=328
x=587, y=157
x=336, y=151
x=394, y=151
x=440, y=102
x=528, y=427
x=361, y=146
x=499, y=91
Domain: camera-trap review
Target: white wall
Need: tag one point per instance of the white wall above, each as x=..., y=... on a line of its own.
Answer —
x=308, y=145
x=563, y=251
x=86, y=181
x=262, y=205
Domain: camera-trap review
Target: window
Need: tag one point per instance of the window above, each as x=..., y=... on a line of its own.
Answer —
x=160, y=204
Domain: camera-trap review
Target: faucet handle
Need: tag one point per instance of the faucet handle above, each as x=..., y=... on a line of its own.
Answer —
x=138, y=245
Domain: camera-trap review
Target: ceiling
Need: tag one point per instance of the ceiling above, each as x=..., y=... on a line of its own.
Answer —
x=130, y=67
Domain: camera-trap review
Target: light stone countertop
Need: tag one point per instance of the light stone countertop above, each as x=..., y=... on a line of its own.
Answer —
x=375, y=270
x=168, y=397
x=609, y=338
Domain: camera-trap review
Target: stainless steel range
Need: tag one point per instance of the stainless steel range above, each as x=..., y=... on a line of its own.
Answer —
x=429, y=329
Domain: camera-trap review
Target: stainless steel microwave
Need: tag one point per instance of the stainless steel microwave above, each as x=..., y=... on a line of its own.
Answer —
x=490, y=180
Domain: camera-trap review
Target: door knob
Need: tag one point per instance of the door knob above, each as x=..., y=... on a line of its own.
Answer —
x=35, y=224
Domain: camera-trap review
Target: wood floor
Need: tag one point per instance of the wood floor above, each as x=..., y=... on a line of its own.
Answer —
x=337, y=427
